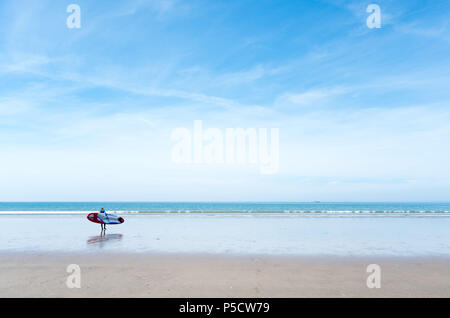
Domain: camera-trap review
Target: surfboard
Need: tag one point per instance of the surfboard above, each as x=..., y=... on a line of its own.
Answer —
x=108, y=219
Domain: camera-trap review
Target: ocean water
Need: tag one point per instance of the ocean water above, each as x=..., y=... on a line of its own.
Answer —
x=314, y=228
x=232, y=207
x=232, y=234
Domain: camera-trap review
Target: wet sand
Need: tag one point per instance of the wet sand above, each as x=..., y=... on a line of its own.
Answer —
x=203, y=275
x=295, y=235
x=225, y=256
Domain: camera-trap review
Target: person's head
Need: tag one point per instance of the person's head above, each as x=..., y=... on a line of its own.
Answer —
x=102, y=209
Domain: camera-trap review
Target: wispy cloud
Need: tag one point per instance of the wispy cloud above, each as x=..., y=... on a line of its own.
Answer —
x=309, y=98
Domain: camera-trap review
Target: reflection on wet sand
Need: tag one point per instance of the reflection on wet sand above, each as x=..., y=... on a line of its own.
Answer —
x=102, y=239
x=240, y=234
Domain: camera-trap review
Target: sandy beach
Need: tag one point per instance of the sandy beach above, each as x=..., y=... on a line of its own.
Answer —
x=225, y=256
x=178, y=275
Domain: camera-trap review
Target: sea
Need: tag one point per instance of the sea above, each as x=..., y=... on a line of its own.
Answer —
x=392, y=229
x=233, y=207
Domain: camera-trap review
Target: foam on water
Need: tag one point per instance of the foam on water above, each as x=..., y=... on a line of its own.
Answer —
x=227, y=207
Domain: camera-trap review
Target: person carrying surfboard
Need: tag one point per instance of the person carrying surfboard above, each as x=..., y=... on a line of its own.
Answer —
x=103, y=216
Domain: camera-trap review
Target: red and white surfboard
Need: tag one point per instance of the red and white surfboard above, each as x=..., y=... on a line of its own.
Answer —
x=108, y=219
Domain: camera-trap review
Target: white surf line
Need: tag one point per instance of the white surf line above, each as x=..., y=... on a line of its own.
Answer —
x=57, y=212
x=42, y=212
x=61, y=212
x=241, y=213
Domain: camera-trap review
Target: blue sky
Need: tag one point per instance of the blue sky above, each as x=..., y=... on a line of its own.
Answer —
x=87, y=114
